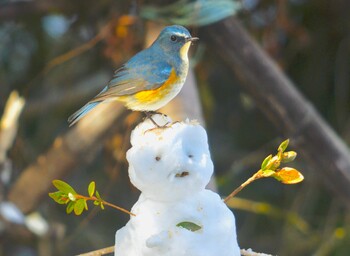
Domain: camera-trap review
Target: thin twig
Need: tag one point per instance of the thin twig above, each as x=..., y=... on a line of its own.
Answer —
x=78, y=50
x=71, y=54
x=282, y=103
x=99, y=252
x=93, y=198
x=110, y=249
x=243, y=185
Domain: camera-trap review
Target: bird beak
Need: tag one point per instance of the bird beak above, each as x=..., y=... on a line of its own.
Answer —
x=191, y=39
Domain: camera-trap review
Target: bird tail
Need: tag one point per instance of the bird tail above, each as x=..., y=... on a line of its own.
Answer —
x=82, y=112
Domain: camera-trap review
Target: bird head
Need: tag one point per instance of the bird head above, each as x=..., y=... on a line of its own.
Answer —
x=175, y=39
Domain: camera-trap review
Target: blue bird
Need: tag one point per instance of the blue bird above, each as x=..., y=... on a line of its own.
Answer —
x=151, y=78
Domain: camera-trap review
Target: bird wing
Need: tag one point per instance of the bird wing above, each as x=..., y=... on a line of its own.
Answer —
x=138, y=74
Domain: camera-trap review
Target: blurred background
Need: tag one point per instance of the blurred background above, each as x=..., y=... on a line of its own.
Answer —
x=59, y=54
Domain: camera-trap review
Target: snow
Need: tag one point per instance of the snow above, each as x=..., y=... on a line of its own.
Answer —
x=10, y=212
x=37, y=224
x=171, y=167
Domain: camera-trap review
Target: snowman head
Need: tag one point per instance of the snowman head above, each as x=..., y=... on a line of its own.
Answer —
x=170, y=163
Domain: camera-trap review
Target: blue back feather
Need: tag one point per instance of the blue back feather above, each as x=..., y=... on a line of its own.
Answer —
x=82, y=112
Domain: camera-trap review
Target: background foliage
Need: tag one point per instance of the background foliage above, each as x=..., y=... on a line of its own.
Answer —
x=309, y=39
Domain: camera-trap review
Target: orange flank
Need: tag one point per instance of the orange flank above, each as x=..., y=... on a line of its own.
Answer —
x=149, y=96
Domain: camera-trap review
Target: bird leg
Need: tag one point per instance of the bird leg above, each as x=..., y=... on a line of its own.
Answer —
x=149, y=115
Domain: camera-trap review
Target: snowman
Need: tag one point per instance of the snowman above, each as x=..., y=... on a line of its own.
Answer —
x=175, y=214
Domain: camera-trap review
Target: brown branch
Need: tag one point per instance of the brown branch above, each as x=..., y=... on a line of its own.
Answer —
x=110, y=249
x=93, y=198
x=118, y=208
x=256, y=176
x=99, y=252
x=14, y=10
x=67, y=152
x=78, y=50
x=282, y=103
x=9, y=123
x=84, y=89
x=71, y=54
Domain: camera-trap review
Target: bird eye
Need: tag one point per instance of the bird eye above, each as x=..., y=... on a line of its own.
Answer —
x=173, y=38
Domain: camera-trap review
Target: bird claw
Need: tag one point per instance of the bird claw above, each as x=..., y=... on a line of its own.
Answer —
x=149, y=115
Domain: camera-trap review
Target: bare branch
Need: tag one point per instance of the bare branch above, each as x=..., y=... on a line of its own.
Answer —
x=14, y=10
x=66, y=152
x=110, y=249
x=99, y=252
x=282, y=103
x=9, y=123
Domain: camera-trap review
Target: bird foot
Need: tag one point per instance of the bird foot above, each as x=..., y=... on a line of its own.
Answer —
x=149, y=115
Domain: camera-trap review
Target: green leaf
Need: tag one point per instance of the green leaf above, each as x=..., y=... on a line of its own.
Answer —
x=265, y=162
x=97, y=202
x=79, y=206
x=189, y=226
x=56, y=195
x=102, y=206
x=63, y=187
x=70, y=207
x=59, y=197
x=91, y=188
x=268, y=173
x=283, y=146
x=289, y=156
x=86, y=206
x=98, y=196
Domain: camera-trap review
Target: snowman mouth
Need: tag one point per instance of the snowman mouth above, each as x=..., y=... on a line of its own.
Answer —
x=182, y=174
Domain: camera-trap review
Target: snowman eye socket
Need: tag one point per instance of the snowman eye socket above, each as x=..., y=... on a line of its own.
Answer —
x=158, y=158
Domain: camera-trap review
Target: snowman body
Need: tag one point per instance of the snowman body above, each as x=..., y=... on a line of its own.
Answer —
x=171, y=168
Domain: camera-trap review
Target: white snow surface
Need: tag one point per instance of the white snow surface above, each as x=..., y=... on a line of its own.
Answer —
x=171, y=167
